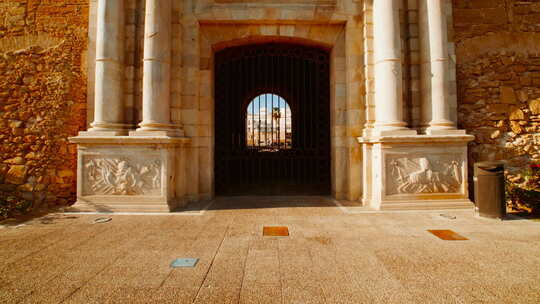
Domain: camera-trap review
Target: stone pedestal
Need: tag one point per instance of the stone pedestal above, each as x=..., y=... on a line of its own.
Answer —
x=130, y=174
x=416, y=172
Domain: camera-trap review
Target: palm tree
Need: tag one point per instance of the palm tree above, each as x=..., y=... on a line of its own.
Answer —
x=276, y=116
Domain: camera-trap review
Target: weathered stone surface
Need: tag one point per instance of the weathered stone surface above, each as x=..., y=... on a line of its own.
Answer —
x=534, y=106
x=508, y=95
x=499, y=65
x=45, y=98
x=497, y=108
x=495, y=134
x=15, y=161
x=16, y=174
x=516, y=114
x=516, y=127
x=65, y=173
x=43, y=95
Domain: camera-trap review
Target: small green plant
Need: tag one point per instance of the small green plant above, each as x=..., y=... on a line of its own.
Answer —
x=533, y=176
x=526, y=196
x=11, y=206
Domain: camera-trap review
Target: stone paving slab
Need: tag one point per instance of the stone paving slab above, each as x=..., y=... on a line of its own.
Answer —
x=331, y=256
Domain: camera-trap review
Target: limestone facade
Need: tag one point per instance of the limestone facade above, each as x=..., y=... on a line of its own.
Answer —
x=46, y=62
x=393, y=93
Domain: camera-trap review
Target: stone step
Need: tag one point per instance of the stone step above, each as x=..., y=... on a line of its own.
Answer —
x=429, y=205
x=119, y=207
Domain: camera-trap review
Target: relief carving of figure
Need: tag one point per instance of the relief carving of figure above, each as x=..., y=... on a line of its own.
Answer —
x=118, y=176
x=420, y=175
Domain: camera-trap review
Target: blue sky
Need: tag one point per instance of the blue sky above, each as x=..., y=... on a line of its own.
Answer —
x=259, y=102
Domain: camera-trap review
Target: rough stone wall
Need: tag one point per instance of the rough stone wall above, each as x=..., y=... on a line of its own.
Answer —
x=42, y=97
x=498, y=76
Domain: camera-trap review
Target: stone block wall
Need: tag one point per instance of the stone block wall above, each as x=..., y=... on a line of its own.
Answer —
x=43, y=47
x=498, y=76
x=42, y=97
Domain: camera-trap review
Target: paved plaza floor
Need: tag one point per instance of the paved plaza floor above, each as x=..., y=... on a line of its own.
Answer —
x=333, y=254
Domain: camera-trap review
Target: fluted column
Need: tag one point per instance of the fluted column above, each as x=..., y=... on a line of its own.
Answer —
x=109, y=94
x=436, y=104
x=388, y=72
x=157, y=69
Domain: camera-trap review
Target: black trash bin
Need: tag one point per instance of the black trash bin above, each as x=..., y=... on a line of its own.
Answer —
x=489, y=195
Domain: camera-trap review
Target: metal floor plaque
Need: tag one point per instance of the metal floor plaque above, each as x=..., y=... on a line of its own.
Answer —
x=184, y=262
x=448, y=235
x=276, y=231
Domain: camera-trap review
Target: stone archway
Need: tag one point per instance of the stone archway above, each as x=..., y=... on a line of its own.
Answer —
x=271, y=167
x=345, y=159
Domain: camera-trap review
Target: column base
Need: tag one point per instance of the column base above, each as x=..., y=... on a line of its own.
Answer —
x=107, y=129
x=158, y=129
x=416, y=172
x=171, y=133
x=104, y=133
x=445, y=132
x=375, y=132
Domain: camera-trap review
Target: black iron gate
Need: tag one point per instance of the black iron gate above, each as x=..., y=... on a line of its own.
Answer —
x=297, y=160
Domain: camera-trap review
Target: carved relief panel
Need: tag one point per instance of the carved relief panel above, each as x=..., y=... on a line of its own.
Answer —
x=121, y=175
x=425, y=174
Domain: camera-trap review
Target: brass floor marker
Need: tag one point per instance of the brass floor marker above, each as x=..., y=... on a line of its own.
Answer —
x=276, y=231
x=448, y=235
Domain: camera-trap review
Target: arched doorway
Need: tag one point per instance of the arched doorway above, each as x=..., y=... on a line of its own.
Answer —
x=272, y=120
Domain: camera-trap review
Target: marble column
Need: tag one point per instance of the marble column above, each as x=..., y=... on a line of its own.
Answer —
x=388, y=71
x=157, y=70
x=109, y=94
x=436, y=108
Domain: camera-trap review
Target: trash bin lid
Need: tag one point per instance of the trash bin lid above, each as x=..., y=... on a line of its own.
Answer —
x=492, y=166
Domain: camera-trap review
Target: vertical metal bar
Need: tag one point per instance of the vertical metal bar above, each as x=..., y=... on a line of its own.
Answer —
x=258, y=99
x=318, y=164
x=265, y=73
x=252, y=104
x=244, y=80
x=235, y=178
x=314, y=106
x=285, y=126
x=285, y=72
x=315, y=123
x=270, y=74
x=311, y=88
x=272, y=98
x=279, y=122
x=228, y=109
x=299, y=119
x=253, y=123
x=304, y=118
x=317, y=115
